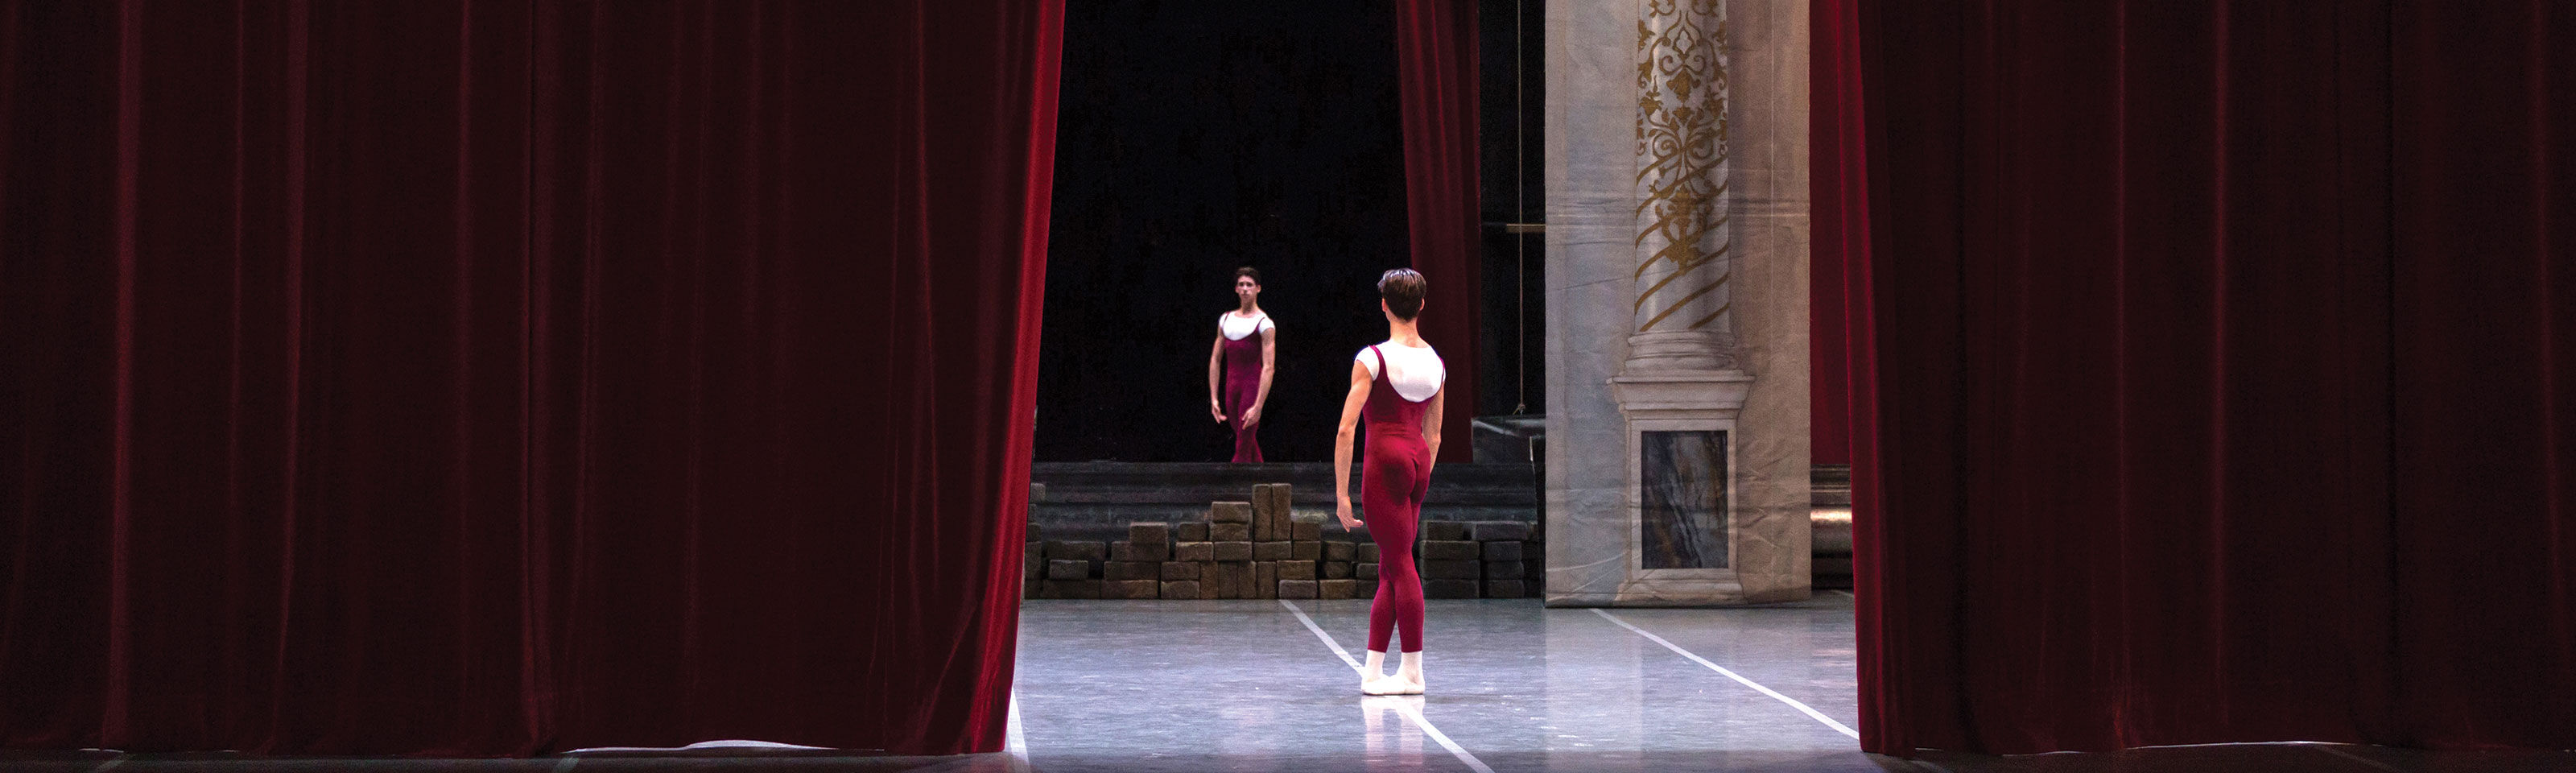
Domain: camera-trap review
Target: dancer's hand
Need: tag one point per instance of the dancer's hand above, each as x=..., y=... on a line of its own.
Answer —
x=1217, y=410
x=1252, y=416
x=1342, y=511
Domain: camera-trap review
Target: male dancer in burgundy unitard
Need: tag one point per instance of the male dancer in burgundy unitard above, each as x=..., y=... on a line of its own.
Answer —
x=1396, y=385
x=1245, y=339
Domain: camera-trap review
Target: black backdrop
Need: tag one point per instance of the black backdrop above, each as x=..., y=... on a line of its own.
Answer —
x=1194, y=138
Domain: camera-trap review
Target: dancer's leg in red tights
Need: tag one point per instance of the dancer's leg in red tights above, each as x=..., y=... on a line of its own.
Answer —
x=1391, y=488
x=1247, y=439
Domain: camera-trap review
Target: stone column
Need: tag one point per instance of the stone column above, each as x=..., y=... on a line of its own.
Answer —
x=1677, y=302
x=1681, y=310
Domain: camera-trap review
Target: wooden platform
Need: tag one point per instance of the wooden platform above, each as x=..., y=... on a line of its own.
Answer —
x=1096, y=500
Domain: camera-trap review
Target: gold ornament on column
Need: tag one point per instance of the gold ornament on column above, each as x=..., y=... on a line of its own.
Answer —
x=1682, y=236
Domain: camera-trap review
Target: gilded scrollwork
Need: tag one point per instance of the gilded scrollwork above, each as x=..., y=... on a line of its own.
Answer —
x=1681, y=161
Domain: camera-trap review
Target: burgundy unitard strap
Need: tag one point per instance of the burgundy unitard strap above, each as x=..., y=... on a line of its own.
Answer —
x=1242, y=387
x=1393, y=478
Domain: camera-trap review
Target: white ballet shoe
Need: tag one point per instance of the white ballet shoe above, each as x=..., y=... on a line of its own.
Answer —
x=1374, y=670
x=1410, y=673
x=1388, y=685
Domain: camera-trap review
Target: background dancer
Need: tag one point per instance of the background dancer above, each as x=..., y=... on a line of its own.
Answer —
x=1245, y=343
x=1397, y=386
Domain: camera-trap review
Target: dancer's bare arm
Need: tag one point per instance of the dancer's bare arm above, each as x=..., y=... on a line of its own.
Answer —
x=1431, y=429
x=1342, y=445
x=1216, y=359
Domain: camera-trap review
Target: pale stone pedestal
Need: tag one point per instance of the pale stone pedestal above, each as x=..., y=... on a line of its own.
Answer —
x=1694, y=401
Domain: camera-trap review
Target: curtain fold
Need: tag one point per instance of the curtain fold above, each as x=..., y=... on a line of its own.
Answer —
x=2483, y=305
x=1844, y=334
x=491, y=379
x=1436, y=87
x=2205, y=369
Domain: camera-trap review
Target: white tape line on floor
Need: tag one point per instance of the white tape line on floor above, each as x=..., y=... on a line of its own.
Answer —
x=1775, y=694
x=1405, y=708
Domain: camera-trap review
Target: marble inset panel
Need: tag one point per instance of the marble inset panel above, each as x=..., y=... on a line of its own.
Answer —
x=1682, y=507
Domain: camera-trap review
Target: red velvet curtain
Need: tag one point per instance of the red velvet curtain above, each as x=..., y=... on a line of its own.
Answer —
x=1842, y=333
x=495, y=378
x=2209, y=369
x=1436, y=83
x=2483, y=435
x=1837, y=282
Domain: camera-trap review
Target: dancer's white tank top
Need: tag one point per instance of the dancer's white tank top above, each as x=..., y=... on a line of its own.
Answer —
x=1237, y=328
x=1415, y=371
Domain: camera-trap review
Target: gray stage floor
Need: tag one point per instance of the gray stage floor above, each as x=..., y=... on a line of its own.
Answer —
x=1514, y=686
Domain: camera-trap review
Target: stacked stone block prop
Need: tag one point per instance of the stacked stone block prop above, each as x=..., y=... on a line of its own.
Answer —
x=1259, y=549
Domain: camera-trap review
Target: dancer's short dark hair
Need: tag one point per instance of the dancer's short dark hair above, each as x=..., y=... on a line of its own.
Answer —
x=1250, y=272
x=1402, y=288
